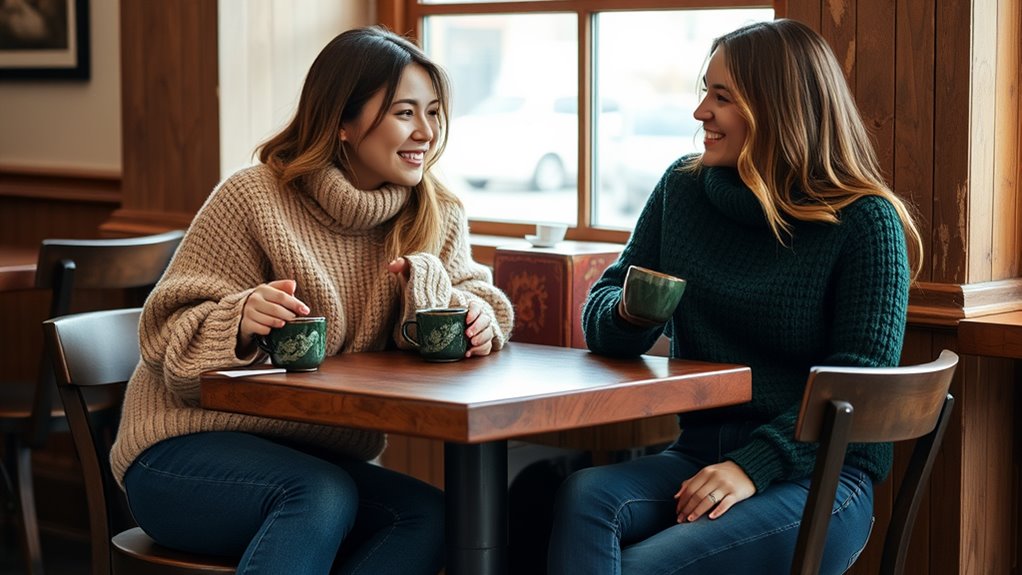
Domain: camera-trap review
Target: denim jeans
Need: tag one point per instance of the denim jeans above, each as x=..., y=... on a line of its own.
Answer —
x=285, y=508
x=621, y=518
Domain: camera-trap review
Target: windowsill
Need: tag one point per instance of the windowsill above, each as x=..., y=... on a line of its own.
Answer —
x=485, y=246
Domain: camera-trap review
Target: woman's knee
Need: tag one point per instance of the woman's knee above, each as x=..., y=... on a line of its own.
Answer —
x=324, y=497
x=582, y=488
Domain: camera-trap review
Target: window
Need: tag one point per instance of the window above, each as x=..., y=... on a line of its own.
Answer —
x=569, y=111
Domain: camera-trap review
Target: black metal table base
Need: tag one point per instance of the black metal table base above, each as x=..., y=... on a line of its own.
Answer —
x=475, y=487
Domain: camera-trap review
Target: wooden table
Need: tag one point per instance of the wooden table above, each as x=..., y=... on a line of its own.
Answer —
x=997, y=335
x=17, y=268
x=475, y=406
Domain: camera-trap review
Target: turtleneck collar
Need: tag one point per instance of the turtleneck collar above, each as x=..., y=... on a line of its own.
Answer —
x=726, y=191
x=337, y=204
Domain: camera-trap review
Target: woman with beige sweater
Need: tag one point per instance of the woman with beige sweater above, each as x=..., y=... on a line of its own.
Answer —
x=342, y=219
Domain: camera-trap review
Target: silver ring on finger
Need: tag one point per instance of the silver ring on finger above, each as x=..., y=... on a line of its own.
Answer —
x=713, y=498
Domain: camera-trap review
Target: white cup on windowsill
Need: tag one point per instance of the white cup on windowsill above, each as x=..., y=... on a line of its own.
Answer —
x=547, y=235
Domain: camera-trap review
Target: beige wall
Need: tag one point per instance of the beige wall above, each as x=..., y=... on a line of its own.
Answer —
x=266, y=47
x=70, y=125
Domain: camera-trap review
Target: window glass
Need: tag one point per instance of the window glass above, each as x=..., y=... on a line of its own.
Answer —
x=515, y=132
x=649, y=64
x=513, y=139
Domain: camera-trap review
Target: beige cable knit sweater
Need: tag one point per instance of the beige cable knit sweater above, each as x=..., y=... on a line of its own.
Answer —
x=331, y=241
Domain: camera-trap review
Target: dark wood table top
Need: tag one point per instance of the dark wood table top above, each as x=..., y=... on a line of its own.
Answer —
x=521, y=390
x=996, y=335
x=17, y=267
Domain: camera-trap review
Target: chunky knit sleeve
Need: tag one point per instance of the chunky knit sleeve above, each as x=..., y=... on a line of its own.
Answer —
x=190, y=321
x=871, y=286
x=605, y=332
x=453, y=278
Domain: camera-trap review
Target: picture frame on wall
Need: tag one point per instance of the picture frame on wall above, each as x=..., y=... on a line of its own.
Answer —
x=44, y=39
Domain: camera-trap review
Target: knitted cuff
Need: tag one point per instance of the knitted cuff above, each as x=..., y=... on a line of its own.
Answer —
x=759, y=462
x=428, y=282
x=211, y=344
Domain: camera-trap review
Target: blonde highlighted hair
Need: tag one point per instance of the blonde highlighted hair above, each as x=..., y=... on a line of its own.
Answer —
x=807, y=154
x=352, y=68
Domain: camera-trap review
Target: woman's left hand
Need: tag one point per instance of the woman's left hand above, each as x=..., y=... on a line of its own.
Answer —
x=478, y=330
x=400, y=267
x=714, y=489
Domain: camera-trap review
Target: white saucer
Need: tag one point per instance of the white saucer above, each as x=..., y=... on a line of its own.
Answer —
x=538, y=243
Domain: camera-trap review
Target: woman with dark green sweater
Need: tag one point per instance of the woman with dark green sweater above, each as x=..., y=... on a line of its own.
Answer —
x=795, y=254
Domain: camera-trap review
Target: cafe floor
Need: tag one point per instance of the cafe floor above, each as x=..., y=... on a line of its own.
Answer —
x=61, y=556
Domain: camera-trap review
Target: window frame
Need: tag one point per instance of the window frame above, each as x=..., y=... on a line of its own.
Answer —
x=406, y=16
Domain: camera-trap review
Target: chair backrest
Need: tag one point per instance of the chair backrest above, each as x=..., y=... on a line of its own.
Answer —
x=90, y=350
x=843, y=405
x=116, y=263
x=113, y=263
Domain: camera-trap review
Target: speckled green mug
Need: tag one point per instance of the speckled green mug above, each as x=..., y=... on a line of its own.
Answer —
x=439, y=333
x=299, y=345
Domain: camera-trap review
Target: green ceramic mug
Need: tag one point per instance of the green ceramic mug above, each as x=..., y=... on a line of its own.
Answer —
x=299, y=345
x=651, y=295
x=439, y=333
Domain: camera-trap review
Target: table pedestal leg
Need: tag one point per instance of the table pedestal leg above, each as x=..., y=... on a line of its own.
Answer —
x=475, y=486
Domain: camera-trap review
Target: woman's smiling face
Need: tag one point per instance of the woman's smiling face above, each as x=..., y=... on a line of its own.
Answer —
x=396, y=150
x=724, y=127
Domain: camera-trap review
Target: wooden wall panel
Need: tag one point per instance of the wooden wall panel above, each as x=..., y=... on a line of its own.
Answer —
x=1007, y=235
x=875, y=75
x=838, y=26
x=170, y=113
x=951, y=209
x=982, y=108
x=808, y=11
x=418, y=457
x=913, y=116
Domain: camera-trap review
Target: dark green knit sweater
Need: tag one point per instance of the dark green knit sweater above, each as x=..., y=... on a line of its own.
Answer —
x=835, y=295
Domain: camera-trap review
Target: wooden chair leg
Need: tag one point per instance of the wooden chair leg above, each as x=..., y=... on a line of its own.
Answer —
x=28, y=522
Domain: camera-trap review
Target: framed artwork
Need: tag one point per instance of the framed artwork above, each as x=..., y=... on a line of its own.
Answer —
x=44, y=39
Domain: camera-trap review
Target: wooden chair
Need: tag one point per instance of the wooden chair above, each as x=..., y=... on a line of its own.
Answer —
x=843, y=405
x=29, y=411
x=96, y=350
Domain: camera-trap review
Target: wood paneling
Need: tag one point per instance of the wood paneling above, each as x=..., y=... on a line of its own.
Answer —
x=1007, y=235
x=874, y=76
x=170, y=114
x=951, y=205
x=913, y=61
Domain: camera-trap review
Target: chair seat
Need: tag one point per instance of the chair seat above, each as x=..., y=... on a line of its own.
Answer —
x=16, y=405
x=135, y=552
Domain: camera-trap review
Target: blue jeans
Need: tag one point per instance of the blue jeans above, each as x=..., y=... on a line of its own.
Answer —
x=621, y=518
x=285, y=508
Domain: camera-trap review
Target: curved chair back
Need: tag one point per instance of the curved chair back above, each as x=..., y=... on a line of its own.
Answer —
x=94, y=350
x=843, y=405
x=115, y=263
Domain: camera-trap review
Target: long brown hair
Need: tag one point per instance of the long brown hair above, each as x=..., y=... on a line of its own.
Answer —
x=805, y=134
x=352, y=68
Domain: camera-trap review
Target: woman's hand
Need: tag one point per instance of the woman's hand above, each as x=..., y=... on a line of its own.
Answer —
x=715, y=487
x=400, y=267
x=268, y=306
x=478, y=330
x=637, y=321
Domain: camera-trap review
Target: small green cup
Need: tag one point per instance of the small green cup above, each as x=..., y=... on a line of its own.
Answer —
x=299, y=345
x=440, y=333
x=652, y=295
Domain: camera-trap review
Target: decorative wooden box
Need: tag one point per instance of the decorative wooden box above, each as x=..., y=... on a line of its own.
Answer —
x=548, y=287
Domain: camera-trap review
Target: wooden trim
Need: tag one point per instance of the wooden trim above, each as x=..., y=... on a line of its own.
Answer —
x=392, y=14
x=69, y=184
x=129, y=223
x=938, y=304
x=416, y=10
